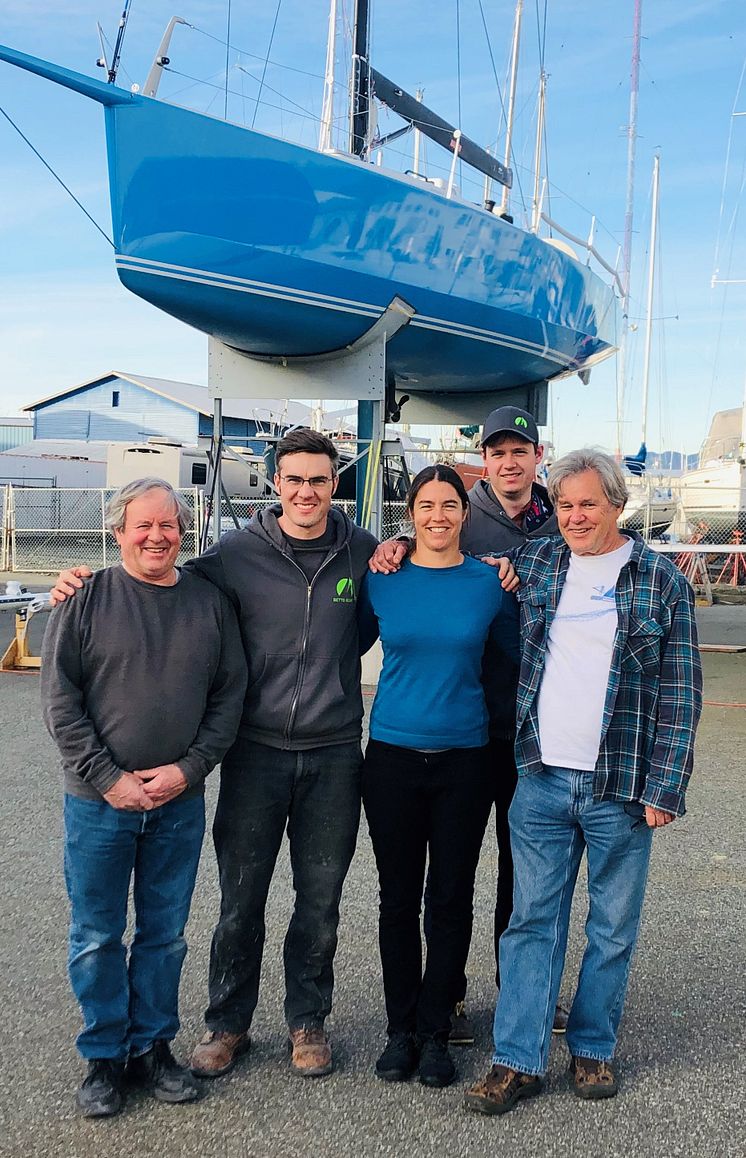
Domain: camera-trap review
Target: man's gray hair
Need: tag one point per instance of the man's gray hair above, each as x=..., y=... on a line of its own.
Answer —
x=116, y=508
x=576, y=462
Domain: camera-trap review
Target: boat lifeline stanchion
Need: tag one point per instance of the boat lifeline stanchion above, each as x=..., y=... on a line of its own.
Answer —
x=356, y=371
x=17, y=657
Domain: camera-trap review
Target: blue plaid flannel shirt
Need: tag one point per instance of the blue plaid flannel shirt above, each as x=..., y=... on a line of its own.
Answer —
x=654, y=696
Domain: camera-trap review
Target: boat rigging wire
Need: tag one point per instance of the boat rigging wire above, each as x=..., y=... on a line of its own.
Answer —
x=303, y=112
x=727, y=166
x=720, y=241
x=255, y=56
x=56, y=176
x=266, y=61
x=503, y=110
x=227, y=56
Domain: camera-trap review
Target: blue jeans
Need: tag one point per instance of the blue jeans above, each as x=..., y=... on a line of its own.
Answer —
x=315, y=795
x=553, y=819
x=127, y=1004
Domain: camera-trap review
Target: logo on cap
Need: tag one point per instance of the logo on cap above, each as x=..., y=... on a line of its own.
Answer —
x=520, y=421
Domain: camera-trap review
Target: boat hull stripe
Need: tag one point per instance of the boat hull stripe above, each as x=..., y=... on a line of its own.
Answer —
x=341, y=305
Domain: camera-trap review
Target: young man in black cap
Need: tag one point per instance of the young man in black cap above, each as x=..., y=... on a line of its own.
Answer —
x=506, y=509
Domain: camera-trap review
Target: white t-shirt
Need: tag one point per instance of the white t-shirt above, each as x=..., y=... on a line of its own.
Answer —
x=576, y=668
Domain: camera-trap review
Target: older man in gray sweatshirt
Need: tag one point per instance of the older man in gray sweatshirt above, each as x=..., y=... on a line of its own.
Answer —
x=143, y=680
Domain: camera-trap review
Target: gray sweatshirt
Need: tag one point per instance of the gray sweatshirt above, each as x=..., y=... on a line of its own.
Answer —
x=301, y=639
x=135, y=675
x=488, y=529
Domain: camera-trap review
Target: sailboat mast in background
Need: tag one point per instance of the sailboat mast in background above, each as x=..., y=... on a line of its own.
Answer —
x=634, y=92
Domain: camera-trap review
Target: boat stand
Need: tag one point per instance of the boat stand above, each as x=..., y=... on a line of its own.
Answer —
x=17, y=657
x=693, y=565
x=356, y=371
x=735, y=565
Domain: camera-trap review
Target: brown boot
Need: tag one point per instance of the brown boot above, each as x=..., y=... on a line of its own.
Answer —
x=311, y=1053
x=593, y=1079
x=217, y=1052
x=500, y=1089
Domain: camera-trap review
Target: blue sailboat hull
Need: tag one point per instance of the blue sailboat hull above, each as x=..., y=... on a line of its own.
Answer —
x=279, y=250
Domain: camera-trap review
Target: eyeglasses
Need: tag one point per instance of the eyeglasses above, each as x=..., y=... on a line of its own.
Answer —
x=319, y=482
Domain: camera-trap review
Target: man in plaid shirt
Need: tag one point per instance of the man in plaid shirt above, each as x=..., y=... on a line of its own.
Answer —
x=609, y=699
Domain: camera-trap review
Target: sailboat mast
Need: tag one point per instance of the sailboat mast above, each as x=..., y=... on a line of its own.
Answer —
x=360, y=102
x=327, y=108
x=536, y=204
x=505, y=201
x=634, y=92
x=651, y=287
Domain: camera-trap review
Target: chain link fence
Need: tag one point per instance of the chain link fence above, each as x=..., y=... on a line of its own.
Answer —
x=394, y=520
x=47, y=528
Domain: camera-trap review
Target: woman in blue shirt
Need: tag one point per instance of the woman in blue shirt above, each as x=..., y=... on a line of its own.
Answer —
x=427, y=789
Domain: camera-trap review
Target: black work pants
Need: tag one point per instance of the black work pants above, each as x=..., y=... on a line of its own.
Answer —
x=501, y=763
x=425, y=806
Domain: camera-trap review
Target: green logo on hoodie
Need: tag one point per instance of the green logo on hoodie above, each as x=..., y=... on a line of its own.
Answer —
x=345, y=591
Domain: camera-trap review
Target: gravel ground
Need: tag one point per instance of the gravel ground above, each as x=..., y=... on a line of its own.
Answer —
x=681, y=1047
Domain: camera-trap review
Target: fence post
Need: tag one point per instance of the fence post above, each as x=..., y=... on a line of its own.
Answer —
x=103, y=528
x=12, y=525
x=196, y=520
x=4, y=537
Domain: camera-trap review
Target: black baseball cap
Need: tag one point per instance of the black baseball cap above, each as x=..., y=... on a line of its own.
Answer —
x=510, y=420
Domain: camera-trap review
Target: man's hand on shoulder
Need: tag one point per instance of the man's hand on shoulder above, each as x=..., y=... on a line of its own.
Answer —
x=656, y=817
x=389, y=556
x=161, y=784
x=68, y=582
x=505, y=570
x=128, y=795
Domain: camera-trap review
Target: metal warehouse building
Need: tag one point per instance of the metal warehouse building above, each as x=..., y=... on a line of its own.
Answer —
x=131, y=408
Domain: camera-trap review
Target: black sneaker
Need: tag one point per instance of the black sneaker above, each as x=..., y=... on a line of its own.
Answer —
x=160, y=1073
x=399, y=1060
x=462, y=1030
x=436, y=1065
x=101, y=1094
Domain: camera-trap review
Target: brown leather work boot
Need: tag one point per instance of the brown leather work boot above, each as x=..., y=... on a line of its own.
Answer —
x=593, y=1079
x=499, y=1090
x=311, y=1055
x=217, y=1052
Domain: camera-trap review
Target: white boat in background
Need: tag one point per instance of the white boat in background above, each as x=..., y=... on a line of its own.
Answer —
x=651, y=507
x=713, y=496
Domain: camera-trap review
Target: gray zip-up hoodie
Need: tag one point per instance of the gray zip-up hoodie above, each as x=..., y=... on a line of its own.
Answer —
x=301, y=640
x=488, y=529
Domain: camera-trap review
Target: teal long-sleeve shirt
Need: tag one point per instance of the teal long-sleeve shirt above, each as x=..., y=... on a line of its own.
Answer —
x=434, y=623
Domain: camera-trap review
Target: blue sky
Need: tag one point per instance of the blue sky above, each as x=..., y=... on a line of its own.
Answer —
x=64, y=317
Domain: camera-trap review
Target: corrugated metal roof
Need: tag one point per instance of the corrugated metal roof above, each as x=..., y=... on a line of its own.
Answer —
x=21, y=423
x=196, y=398
x=60, y=448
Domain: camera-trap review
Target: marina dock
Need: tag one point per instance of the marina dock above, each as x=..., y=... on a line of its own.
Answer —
x=680, y=1058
